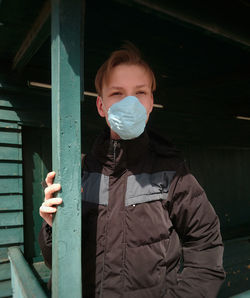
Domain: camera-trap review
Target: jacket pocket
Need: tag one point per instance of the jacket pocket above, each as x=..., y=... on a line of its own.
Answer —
x=145, y=265
x=147, y=223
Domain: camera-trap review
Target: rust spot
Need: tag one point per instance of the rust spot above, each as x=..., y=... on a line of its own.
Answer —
x=248, y=266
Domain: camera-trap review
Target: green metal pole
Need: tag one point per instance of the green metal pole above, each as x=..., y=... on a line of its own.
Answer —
x=66, y=154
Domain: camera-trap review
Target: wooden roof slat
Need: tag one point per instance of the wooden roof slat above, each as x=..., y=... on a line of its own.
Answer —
x=214, y=23
x=38, y=33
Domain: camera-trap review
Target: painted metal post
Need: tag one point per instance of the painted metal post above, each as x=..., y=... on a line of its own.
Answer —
x=66, y=158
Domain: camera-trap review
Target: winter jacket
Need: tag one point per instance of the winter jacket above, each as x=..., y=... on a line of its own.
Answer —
x=148, y=228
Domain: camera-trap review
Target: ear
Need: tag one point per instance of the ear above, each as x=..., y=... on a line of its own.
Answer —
x=99, y=106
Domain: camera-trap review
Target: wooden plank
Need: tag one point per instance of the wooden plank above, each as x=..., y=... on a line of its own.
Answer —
x=4, y=271
x=7, y=137
x=198, y=17
x=42, y=270
x=36, y=36
x=25, y=99
x=26, y=102
x=5, y=288
x=31, y=116
x=5, y=103
x=242, y=295
x=11, y=185
x=4, y=253
x=11, y=202
x=9, y=115
x=10, y=125
x=11, y=236
x=24, y=282
x=11, y=219
x=10, y=153
x=11, y=169
x=66, y=136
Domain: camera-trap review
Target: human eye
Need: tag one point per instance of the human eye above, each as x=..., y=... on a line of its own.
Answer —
x=117, y=93
x=141, y=92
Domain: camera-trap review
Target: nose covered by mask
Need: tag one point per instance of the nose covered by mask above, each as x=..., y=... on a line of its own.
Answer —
x=127, y=118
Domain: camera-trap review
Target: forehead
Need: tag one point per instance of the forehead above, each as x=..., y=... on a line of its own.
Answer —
x=127, y=76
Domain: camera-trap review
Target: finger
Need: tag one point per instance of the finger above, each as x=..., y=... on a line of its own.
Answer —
x=52, y=202
x=50, y=178
x=49, y=219
x=46, y=209
x=49, y=191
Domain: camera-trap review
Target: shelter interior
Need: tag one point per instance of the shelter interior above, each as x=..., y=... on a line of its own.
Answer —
x=200, y=53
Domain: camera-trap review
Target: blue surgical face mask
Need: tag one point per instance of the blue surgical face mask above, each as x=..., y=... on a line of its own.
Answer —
x=127, y=118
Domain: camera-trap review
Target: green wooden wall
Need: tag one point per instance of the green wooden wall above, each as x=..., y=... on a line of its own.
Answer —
x=17, y=108
x=37, y=163
x=11, y=193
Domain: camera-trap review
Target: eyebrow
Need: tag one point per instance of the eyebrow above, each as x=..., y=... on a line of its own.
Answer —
x=137, y=86
x=116, y=87
x=141, y=86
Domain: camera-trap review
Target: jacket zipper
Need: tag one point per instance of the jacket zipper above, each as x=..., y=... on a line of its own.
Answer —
x=115, y=143
x=114, y=152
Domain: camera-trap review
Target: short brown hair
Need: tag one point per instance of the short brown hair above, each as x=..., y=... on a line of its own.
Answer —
x=129, y=55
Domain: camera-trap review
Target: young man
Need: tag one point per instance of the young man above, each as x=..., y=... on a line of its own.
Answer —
x=143, y=214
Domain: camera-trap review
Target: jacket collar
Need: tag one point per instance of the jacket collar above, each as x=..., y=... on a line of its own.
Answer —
x=120, y=153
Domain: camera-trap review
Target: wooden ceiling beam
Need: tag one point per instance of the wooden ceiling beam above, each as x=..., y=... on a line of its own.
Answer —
x=213, y=22
x=34, y=39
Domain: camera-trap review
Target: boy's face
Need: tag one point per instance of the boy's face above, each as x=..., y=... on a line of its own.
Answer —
x=125, y=80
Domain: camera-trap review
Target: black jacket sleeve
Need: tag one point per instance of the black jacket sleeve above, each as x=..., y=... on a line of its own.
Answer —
x=199, y=230
x=45, y=242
